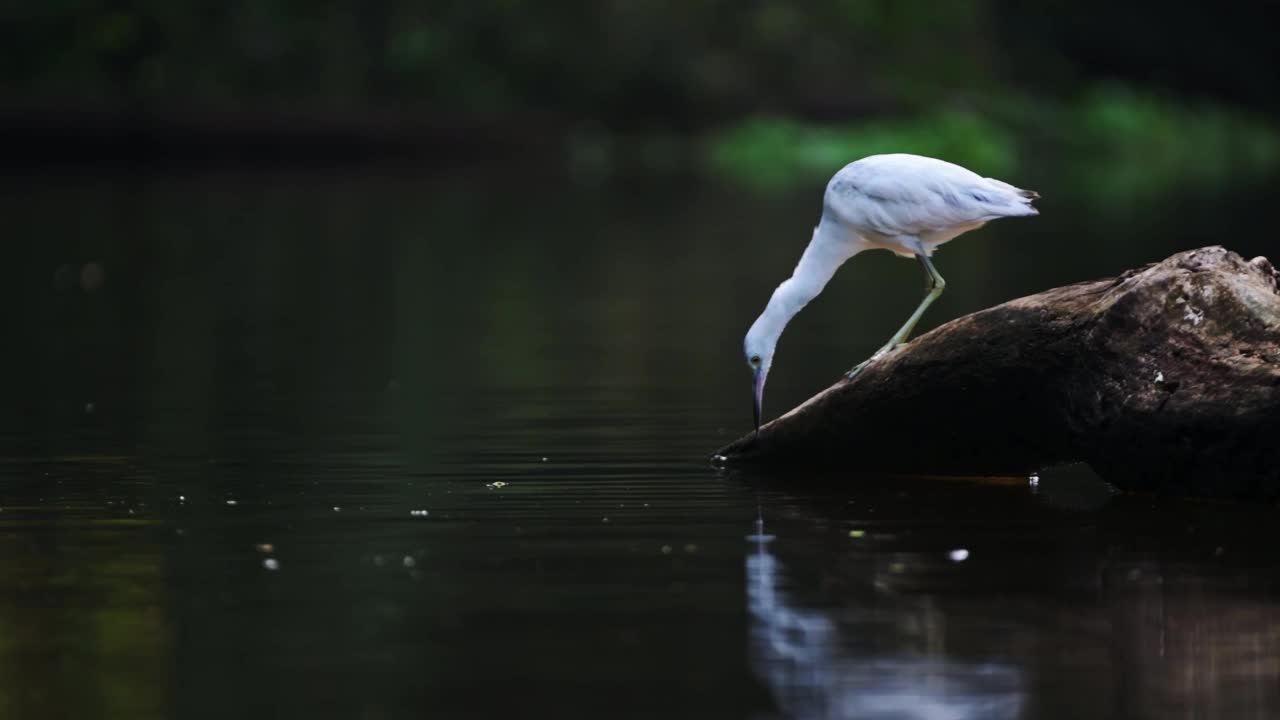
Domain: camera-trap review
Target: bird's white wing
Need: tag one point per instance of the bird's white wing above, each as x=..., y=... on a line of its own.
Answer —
x=910, y=195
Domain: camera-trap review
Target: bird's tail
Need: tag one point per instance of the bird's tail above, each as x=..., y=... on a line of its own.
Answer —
x=1026, y=196
x=1019, y=200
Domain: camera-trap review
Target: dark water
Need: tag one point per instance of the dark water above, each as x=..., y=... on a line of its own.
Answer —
x=389, y=447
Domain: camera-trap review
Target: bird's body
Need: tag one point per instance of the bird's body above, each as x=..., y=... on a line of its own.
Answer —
x=907, y=204
x=888, y=200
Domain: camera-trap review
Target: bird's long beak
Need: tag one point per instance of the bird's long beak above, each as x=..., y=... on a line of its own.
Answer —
x=757, y=393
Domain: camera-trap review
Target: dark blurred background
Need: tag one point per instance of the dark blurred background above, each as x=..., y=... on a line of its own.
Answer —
x=623, y=82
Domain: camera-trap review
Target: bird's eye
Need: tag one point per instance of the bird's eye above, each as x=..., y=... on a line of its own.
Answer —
x=755, y=360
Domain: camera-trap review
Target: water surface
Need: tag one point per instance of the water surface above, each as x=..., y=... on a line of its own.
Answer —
x=391, y=447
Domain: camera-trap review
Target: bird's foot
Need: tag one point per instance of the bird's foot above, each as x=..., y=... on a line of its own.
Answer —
x=862, y=365
x=879, y=354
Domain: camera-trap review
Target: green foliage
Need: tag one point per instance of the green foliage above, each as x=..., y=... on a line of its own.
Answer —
x=770, y=152
x=1112, y=142
x=641, y=61
x=629, y=83
x=1140, y=143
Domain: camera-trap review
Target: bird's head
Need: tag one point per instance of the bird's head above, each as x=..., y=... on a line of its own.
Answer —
x=758, y=350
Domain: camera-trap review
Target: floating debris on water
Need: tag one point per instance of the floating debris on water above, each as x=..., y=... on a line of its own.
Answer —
x=857, y=533
x=231, y=502
x=270, y=563
x=691, y=548
x=377, y=560
x=265, y=547
x=604, y=520
x=958, y=555
x=496, y=485
x=544, y=459
x=182, y=498
x=408, y=561
x=337, y=509
x=666, y=549
x=419, y=513
x=897, y=568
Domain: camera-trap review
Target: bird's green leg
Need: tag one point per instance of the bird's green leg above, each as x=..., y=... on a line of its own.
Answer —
x=934, y=285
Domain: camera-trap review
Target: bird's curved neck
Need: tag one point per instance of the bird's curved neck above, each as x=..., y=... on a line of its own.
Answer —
x=830, y=247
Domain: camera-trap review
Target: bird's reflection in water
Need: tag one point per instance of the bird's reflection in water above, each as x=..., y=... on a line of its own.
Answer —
x=815, y=672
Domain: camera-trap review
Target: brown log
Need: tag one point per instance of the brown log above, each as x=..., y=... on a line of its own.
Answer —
x=1165, y=378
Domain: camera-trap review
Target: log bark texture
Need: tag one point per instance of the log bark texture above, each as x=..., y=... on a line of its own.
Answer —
x=1165, y=378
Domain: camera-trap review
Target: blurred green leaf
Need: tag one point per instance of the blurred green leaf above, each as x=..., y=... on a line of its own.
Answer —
x=770, y=152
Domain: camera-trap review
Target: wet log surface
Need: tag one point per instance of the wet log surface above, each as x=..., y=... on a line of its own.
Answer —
x=1166, y=378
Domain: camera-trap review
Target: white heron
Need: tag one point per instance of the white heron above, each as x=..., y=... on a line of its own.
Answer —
x=907, y=204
